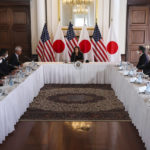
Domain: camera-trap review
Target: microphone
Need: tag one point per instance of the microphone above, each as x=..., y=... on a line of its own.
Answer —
x=28, y=58
x=10, y=65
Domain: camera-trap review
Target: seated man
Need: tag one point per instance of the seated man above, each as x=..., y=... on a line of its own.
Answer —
x=14, y=59
x=5, y=68
x=1, y=70
x=146, y=67
x=143, y=60
x=77, y=55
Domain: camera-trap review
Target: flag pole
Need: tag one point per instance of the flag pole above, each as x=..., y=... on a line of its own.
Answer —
x=96, y=21
x=46, y=11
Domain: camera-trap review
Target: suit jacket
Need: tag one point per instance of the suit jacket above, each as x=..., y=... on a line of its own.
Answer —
x=4, y=68
x=2, y=74
x=14, y=60
x=146, y=69
x=75, y=58
x=143, y=60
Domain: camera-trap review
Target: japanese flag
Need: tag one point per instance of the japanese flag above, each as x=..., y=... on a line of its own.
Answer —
x=85, y=45
x=60, y=47
x=112, y=46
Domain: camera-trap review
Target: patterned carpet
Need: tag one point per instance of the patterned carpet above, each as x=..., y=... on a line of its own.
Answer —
x=76, y=102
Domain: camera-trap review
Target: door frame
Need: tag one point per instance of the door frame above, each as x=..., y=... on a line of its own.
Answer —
x=25, y=3
x=129, y=4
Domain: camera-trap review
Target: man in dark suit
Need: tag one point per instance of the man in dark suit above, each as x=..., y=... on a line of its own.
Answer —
x=5, y=68
x=143, y=60
x=1, y=71
x=76, y=55
x=146, y=67
x=14, y=59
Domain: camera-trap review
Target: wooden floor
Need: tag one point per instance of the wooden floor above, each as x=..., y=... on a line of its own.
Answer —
x=74, y=136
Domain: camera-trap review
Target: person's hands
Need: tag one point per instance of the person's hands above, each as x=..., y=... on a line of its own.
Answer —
x=21, y=65
x=139, y=70
x=14, y=72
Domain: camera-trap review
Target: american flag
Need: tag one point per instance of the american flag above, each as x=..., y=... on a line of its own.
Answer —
x=44, y=48
x=99, y=49
x=71, y=39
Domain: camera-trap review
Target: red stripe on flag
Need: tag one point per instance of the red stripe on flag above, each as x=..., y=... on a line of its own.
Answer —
x=98, y=51
x=97, y=55
x=69, y=46
x=50, y=50
x=45, y=54
x=47, y=50
x=104, y=52
x=40, y=52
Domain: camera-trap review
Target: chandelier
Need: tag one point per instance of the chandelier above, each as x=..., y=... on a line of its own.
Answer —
x=75, y=2
x=80, y=9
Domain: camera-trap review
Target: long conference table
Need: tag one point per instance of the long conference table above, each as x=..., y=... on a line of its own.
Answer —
x=15, y=104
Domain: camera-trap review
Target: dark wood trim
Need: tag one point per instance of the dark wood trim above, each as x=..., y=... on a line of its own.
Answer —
x=138, y=2
x=29, y=35
x=127, y=21
x=14, y=2
x=123, y=57
x=26, y=4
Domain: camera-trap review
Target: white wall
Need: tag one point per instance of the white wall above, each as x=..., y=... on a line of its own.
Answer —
x=34, y=39
x=52, y=16
x=120, y=19
x=122, y=24
x=103, y=20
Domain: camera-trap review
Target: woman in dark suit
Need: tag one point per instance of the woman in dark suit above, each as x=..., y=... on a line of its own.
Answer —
x=77, y=55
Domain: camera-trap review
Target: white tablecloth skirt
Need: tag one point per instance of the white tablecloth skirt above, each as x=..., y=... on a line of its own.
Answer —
x=134, y=103
x=93, y=73
x=13, y=106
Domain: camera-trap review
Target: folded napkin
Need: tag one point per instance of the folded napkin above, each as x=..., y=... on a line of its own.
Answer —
x=142, y=89
x=125, y=72
x=133, y=80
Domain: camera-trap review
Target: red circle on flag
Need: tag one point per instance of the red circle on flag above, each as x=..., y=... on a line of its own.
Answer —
x=58, y=46
x=85, y=46
x=112, y=47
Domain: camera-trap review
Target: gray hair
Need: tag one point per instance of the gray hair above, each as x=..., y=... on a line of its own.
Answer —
x=18, y=48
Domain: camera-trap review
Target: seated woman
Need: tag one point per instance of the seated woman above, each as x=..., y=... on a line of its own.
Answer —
x=143, y=60
x=77, y=55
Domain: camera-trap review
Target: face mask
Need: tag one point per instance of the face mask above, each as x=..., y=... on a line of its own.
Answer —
x=1, y=61
x=138, y=53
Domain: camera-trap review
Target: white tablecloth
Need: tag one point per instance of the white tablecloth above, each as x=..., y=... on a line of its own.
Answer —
x=93, y=73
x=136, y=104
x=13, y=106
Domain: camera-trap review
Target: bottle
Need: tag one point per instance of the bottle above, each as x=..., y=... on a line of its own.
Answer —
x=11, y=83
